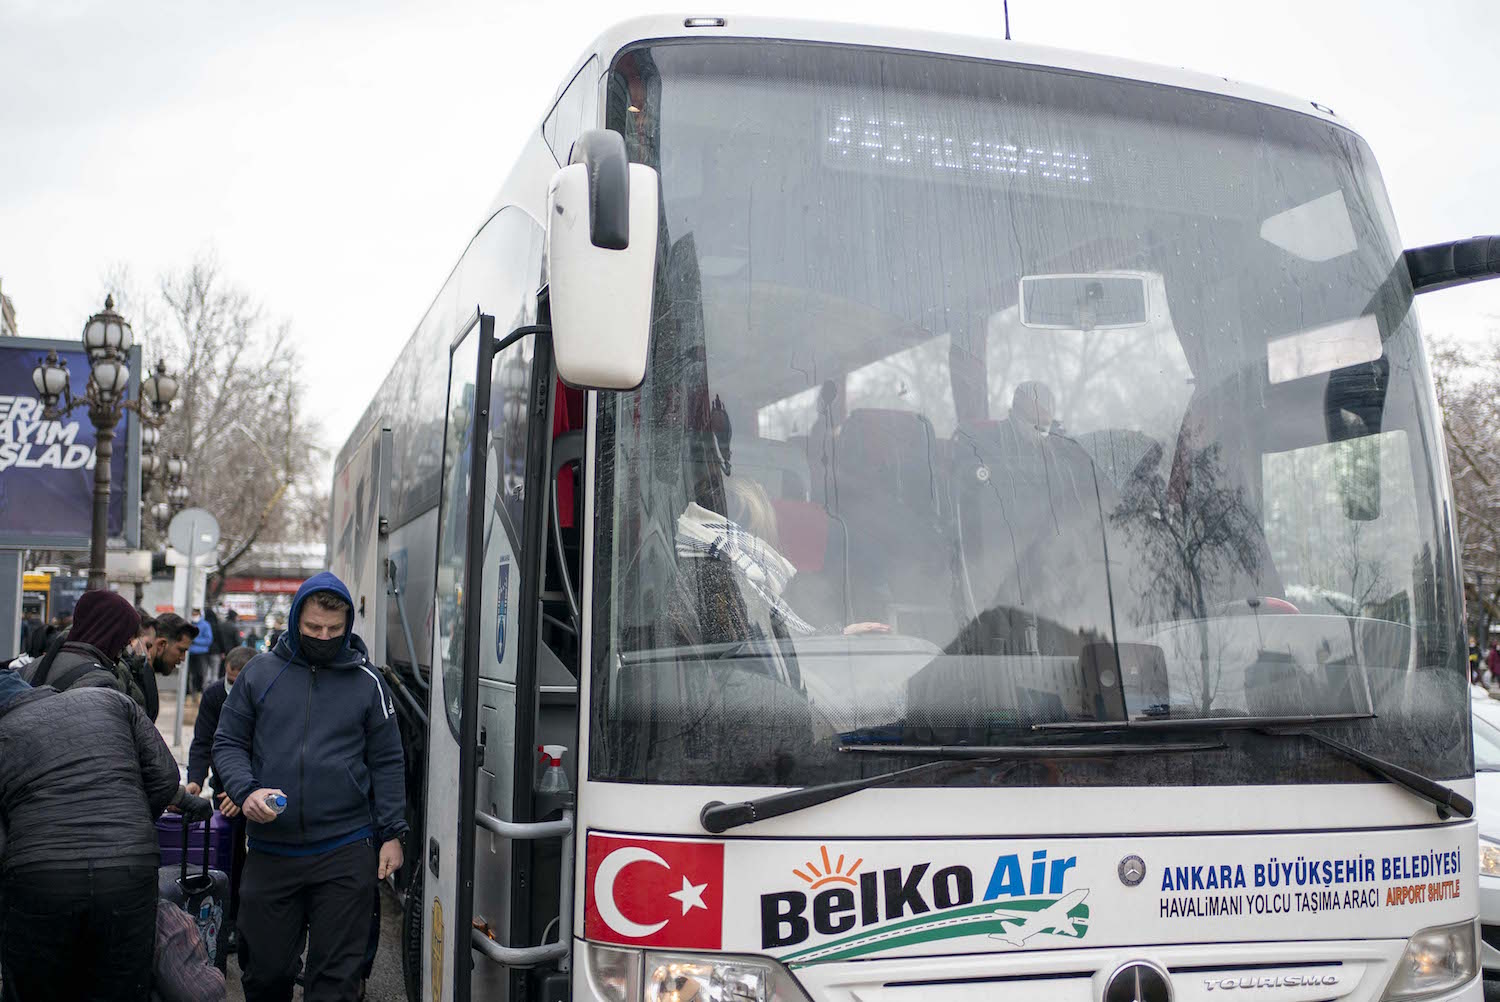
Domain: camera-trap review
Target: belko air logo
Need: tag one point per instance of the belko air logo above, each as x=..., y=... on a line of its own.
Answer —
x=654, y=892
x=870, y=910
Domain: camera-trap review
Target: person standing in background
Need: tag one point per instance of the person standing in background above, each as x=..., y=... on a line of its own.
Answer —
x=201, y=772
x=216, y=648
x=229, y=631
x=29, y=623
x=198, y=652
x=275, y=627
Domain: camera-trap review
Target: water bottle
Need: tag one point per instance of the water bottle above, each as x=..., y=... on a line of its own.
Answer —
x=276, y=802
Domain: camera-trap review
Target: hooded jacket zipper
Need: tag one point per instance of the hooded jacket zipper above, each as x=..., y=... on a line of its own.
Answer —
x=302, y=756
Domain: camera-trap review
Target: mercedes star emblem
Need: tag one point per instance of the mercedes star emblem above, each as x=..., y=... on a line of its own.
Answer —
x=1139, y=981
x=1132, y=870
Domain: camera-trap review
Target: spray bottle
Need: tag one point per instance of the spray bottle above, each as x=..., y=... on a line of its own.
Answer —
x=554, y=781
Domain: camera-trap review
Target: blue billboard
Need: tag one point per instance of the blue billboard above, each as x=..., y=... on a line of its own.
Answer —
x=47, y=467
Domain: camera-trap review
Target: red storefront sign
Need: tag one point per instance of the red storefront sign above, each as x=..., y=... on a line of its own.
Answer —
x=262, y=586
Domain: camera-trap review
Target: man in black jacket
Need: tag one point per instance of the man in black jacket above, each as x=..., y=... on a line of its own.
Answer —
x=323, y=732
x=228, y=631
x=83, y=775
x=200, y=770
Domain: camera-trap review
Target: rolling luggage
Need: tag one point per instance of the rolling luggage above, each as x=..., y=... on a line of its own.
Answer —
x=220, y=844
x=203, y=895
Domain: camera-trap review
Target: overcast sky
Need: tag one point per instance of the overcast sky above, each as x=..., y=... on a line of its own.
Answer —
x=337, y=156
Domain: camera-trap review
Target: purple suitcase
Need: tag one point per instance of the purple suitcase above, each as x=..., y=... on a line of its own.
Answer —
x=220, y=842
x=204, y=895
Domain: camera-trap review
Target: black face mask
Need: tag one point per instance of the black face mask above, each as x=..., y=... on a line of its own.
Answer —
x=320, y=652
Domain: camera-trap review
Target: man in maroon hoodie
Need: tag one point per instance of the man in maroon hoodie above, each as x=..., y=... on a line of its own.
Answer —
x=103, y=623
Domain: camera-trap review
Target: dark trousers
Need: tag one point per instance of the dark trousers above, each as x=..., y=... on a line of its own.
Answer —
x=328, y=895
x=236, y=862
x=79, y=934
x=197, y=666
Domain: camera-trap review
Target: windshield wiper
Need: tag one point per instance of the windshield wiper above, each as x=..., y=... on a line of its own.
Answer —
x=718, y=816
x=1202, y=723
x=1447, y=800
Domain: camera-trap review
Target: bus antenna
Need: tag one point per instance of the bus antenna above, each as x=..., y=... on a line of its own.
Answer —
x=1006, y=5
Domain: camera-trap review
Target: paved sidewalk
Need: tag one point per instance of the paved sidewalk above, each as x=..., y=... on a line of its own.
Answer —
x=166, y=718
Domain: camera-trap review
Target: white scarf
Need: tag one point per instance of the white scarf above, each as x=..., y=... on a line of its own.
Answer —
x=704, y=534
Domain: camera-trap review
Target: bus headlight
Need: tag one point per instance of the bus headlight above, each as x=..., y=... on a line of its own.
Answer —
x=614, y=974
x=710, y=978
x=1436, y=960
x=1489, y=858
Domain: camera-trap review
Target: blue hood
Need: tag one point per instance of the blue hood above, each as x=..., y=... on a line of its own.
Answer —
x=288, y=646
x=11, y=686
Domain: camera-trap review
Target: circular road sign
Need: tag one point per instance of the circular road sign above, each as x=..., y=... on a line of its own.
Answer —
x=193, y=532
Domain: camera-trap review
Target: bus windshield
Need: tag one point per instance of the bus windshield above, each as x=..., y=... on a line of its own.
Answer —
x=983, y=396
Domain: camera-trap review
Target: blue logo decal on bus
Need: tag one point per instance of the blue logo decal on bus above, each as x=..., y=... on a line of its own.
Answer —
x=502, y=599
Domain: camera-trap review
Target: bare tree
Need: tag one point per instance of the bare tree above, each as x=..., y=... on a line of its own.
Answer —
x=1468, y=386
x=251, y=453
x=1197, y=535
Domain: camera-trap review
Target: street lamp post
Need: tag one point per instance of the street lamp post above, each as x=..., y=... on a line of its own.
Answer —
x=107, y=338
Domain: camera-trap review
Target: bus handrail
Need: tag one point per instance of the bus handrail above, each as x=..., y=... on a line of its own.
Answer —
x=519, y=956
x=531, y=956
x=394, y=591
x=525, y=830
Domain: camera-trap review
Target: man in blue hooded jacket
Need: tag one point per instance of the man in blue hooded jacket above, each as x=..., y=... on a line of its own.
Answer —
x=312, y=721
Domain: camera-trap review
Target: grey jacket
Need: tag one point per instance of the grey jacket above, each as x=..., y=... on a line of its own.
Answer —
x=82, y=665
x=83, y=777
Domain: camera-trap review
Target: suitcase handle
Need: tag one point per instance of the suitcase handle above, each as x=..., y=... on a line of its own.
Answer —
x=207, y=836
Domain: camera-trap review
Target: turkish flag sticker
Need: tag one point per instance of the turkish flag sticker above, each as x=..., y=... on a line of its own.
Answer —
x=654, y=892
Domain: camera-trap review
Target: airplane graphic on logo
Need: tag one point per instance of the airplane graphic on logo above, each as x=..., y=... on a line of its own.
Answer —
x=1054, y=919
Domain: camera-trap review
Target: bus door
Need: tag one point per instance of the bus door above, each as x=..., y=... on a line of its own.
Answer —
x=478, y=856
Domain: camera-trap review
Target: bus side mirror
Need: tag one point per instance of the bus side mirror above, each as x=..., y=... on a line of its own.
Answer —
x=601, y=263
x=1441, y=266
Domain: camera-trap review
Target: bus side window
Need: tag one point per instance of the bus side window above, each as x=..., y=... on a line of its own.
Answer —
x=510, y=409
x=576, y=109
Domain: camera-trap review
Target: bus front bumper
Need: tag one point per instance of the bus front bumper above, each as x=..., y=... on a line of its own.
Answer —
x=1319, y=971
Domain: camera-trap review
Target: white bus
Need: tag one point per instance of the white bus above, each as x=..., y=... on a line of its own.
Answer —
x=974, y=519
